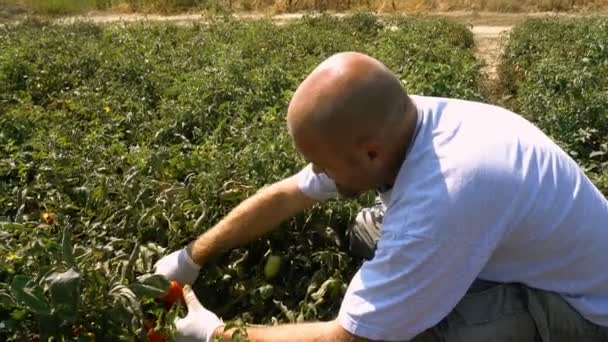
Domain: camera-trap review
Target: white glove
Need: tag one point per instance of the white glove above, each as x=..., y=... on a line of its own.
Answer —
x=199, y=324
x=178, y=266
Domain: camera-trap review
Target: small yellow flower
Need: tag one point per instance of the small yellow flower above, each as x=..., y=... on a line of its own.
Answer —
x=106, y=109
x=11, y=257
x=48, y=218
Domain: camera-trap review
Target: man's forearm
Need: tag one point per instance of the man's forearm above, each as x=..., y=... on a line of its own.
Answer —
x=303, y=332
x=251, y=219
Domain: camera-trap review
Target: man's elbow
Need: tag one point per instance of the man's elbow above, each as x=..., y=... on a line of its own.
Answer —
x=338, y=333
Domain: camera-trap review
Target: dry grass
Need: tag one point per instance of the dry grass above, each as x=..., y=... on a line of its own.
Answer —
x=62, y=7
x=417, y=6
x=514, y=5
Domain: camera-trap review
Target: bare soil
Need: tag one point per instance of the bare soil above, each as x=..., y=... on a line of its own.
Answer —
x=488, y=47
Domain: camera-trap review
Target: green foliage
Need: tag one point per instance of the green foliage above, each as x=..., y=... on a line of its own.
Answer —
x=76, y=7
x=556, y=71
x=60, y=7
x=163, y=6
x=119, y=144
x=444, y=67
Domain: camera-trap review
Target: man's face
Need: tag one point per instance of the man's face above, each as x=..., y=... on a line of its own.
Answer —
x=349, y=167
x=347, y=186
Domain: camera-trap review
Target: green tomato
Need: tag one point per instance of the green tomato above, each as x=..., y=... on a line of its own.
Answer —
x=273, y=266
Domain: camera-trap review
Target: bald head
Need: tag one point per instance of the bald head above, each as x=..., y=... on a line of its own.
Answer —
x=349, y=95
x=352, y=119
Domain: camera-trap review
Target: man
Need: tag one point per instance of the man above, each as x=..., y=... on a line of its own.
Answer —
x=490, y=232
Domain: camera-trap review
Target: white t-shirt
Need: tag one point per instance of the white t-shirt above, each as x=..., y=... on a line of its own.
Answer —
x=483, y=194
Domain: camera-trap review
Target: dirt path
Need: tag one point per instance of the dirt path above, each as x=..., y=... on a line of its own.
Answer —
x=488, y=44
x=470, y=18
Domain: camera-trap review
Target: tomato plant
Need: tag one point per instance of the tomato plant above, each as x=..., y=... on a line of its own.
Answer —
x=121, y=143
x=554, y=71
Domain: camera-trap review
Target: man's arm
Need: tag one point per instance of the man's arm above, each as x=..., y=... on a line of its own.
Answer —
x=302, y=332
x=251, y=219
x=203, y=325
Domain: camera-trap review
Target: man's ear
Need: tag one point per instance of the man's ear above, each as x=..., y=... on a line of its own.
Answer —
x=372, y=149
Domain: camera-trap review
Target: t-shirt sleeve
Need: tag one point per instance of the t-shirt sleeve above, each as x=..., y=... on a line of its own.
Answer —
x=316, y=185
x=426, y=260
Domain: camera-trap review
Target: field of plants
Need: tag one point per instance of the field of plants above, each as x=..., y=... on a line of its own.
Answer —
x=119, y=144
x=555, y=72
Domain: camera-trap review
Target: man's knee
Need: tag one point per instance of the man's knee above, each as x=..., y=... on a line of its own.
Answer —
x=514, y=312
x=558, y=321
x=490, y=312
x=364, y=232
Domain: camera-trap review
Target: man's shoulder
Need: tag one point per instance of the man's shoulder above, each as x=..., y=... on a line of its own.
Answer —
x=462, y=171
x=430, y=100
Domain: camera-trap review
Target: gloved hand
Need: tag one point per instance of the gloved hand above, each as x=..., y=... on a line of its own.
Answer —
x=178, y=266
x=199, y=324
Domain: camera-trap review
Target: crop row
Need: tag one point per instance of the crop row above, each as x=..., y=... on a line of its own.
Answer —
x=119, y=144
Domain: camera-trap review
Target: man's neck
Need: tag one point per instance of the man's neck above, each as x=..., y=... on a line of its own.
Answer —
x=406, y=139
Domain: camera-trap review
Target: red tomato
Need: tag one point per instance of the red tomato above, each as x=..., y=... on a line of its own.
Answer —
x=149, y=324
x=153, y=336
x=151, y=333
x=174, y=294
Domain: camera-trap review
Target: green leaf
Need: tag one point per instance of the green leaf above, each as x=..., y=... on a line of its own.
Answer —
x=68, y=250
x=8, y=325
x=19, y=314
x=65, y=292
x=5, y=299
x=12, y=226
x=150, y=286
x=328, y=286
x=127, y=271
x=266, y=291
x=49, y=325
x=596, y=154
x=291, y=317
x=30, y=295
x=127, y=297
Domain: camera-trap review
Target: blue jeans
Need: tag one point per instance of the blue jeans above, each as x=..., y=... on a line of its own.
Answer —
x=490, y=312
